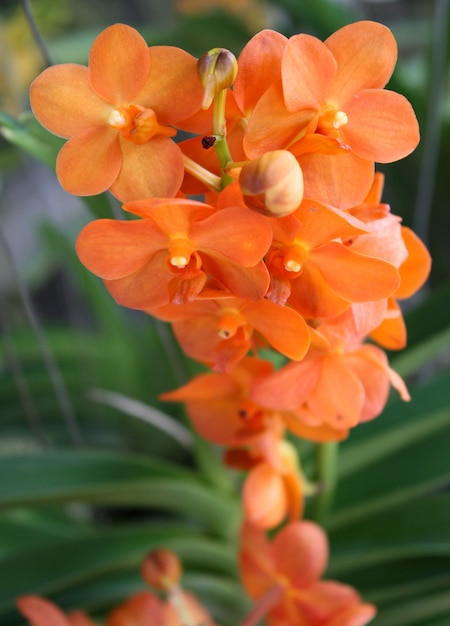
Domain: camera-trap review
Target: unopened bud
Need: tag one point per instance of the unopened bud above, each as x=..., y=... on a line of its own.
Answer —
x=161, y=569
x=217, y=70
x=272, y=184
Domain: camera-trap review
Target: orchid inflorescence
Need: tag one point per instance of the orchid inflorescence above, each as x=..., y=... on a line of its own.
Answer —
x=264, y=229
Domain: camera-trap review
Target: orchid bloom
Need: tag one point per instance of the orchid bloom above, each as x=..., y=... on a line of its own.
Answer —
x=339, y=385
x=221, y=411
x=330, y=109
x=146, y=608
x=283, y=577
x=40, y=612
x=118, y=115
x=168, y=255
x=220, y=331
x=313, y=269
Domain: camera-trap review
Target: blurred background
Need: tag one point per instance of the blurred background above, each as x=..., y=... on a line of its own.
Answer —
x=73, y=364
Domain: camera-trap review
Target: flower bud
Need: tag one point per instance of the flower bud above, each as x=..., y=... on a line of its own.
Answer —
x=272, y=184
x=217, y=70
x=161, y=569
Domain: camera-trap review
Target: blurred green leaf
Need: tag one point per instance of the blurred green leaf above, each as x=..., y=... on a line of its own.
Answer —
x=62, y=564
x=26, y=133
x=102, y=477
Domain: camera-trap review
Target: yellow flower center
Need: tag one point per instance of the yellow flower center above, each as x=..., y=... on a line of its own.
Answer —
x=138, y=124
x=331, y=120
x=180, y=251
x=294, y=257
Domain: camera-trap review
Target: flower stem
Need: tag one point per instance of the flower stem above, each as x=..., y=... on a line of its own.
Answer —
x=219, y=132
x=327, y=458
x=36, y=33
x=199, y=172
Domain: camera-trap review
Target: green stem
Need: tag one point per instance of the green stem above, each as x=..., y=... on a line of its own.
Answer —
x=220, y=132
x=36, y=33
x=327, y=459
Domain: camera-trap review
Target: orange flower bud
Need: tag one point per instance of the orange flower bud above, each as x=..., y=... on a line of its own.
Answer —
x=161, y=569
x=272, y=184
x=217, y=70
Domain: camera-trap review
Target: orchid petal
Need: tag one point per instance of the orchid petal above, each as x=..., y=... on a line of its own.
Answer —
x=325, y=178
x=300, y=552
x=119, y=64
x=171, y=215
x=288, y=388
x=79, y=618
x=173, y=89
x=339, y=395
x=264, y=497
x=271, y=126
x=308, y=67
x=373, y=378
x=320, y=434
x=366, y=53
x=313, y=298
x=358, y=615
x=238, y=234
x=146, y=288
x=381, y=126
x=152, y=169
x=89, y=162
x=244, y=282
x=327, y=599
x=415, y=270
x=113, y=249
x=255, y=561
x=320, y=223
x=354, y=276
x=391, y=332
x=41, y=612
x=284, y=328
x=259, y=66
x=64, y=102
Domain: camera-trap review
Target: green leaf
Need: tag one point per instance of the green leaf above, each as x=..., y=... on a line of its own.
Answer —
x=61, y=565
x=416, y=612
x=100, y=477
x=26, y=133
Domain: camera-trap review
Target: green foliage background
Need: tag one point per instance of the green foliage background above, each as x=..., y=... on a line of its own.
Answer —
x=90, y=481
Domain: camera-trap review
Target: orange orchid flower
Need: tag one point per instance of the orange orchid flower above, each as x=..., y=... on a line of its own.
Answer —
x=146, y=608
x=168, y=254
x=118, y=115
x=283, y=577
x=313, y=269
x=221, y=411
x=40, y=612
x=330, y=109
x=340, y=383
x=220, y=331
x=339, y=386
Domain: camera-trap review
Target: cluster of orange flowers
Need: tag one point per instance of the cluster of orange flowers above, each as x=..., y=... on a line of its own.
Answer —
x=165, y=604
x=290, y=248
